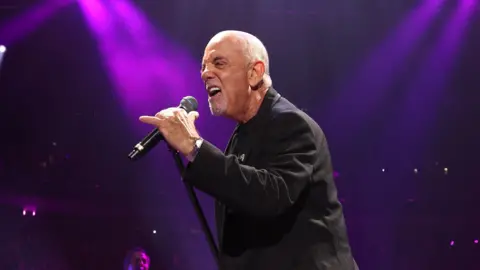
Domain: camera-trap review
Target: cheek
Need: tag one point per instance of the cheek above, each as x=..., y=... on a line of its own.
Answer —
x=235, y=86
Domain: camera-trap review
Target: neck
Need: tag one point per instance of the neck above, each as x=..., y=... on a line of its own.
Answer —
x=253, y=105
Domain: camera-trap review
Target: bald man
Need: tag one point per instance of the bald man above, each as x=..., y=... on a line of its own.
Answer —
x=277, y=205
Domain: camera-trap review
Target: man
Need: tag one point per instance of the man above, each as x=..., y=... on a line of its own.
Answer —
x=136, y=259
x=277, y=206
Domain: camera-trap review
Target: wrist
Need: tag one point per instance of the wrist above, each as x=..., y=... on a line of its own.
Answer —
x=195, y=145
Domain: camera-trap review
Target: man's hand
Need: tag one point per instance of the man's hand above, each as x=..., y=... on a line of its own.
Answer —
x=177, y=127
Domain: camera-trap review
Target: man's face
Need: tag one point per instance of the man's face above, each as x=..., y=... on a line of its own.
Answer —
x=225, y=72
x=140, y=261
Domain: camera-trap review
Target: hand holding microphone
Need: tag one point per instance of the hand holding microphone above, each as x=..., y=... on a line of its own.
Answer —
x=175, y=125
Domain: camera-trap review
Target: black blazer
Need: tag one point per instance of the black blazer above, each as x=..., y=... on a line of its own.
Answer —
x=277, y=205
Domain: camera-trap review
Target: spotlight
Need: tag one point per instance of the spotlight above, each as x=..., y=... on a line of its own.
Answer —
x=475, y=241
x=3, y=49
x=29, y=209
x=415, y=170
x=154, y=231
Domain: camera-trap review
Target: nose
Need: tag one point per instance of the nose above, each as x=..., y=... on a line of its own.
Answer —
x=207, y=75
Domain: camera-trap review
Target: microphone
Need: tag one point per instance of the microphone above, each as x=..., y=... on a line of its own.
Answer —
x=188, y=103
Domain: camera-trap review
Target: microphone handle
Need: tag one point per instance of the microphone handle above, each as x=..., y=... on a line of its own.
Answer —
x=151, y=140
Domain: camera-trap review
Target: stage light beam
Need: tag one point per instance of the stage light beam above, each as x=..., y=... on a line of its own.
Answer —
x=3, y=49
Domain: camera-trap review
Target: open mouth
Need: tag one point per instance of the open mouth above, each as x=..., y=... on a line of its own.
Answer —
x=213, y=91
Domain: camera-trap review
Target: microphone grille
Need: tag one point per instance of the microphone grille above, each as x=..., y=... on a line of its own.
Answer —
x=189, y=104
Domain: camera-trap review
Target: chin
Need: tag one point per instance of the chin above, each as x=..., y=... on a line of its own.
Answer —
x=217, y=111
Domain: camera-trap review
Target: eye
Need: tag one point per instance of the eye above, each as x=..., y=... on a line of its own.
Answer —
x=219, y=64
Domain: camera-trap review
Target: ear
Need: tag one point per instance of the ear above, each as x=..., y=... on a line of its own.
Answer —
x=256, y=73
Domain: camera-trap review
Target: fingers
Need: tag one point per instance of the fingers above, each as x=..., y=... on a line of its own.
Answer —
x=179, y=114
x=151, y=120
x=193, y=116
x=167, y=113
x=170, y=115
x=163, y=114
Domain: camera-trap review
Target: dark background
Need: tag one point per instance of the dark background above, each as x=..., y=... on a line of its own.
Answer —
x=387, y=106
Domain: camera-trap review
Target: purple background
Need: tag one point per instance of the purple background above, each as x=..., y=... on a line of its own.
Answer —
x=394, y=84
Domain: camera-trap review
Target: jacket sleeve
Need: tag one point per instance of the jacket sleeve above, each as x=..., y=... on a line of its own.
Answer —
x=267, y=191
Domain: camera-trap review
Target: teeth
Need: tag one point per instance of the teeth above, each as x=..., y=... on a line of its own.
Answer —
x=213, y=91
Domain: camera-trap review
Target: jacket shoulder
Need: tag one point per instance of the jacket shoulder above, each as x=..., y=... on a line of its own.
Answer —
x=286, y=112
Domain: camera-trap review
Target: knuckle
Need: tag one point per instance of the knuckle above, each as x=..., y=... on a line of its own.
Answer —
x=160, y=113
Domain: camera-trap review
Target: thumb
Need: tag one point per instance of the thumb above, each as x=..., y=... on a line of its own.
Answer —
x=193, y=115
